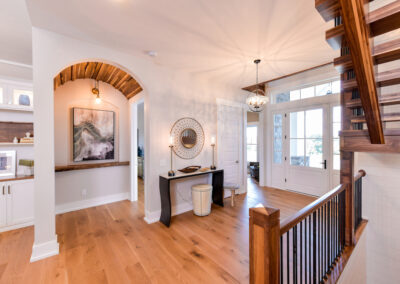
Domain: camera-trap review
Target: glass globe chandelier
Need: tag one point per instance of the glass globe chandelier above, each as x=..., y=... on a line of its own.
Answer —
x=257, y=100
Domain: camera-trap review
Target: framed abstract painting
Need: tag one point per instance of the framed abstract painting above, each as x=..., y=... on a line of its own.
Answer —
x=93, y=134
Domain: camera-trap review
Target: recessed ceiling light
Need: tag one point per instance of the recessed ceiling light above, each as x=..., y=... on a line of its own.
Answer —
x=151, y=53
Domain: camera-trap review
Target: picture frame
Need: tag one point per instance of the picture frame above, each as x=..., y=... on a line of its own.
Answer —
x=93, y=135
x=8, y=165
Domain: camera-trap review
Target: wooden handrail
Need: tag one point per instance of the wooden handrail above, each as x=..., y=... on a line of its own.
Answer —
x=360, y=174
x=293, y=220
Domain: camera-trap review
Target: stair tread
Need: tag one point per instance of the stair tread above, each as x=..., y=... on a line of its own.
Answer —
x=390, y=99
x=329, y=9
x=388, y=117
x=334, y=36
x=382, y=53
x=383, y=79
x=384, y=19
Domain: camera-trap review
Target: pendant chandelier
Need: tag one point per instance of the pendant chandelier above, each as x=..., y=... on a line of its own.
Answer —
x=257, y=99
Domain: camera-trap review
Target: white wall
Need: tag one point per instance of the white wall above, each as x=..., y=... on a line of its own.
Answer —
x=72, y=186
x=381, y=206
x=168, y=96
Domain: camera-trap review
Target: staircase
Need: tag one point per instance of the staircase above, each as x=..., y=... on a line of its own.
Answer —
x=369, y=120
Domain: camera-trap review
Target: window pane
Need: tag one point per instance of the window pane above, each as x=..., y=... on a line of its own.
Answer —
x=252, y=153
x=277, y=119
x=313, y=153
x=337, y=114
x=281, y=98
x=278, y=157
x=314, y=120
x=297, y=152
x=336, y=87
x=307, y=92
x=251, y=135
x=336, y=128
x=322, y=90
x=297, y=124
x=336, y=162
x=336, y=146
x=277, y=145
x=23, y=97
x=278, y=138
x=295, y=95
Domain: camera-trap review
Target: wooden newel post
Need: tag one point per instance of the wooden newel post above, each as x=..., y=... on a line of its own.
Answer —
x=347, y=178
x=264, y=227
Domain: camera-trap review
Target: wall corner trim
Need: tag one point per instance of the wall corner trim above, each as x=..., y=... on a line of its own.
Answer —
x=44, y=250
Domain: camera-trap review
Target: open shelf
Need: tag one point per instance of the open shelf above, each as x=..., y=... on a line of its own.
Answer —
x=7, y=144
x=89, y=166
x=16, y=108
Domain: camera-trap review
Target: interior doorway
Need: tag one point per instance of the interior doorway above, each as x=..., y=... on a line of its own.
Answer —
x=253, y=147
x=138, y=150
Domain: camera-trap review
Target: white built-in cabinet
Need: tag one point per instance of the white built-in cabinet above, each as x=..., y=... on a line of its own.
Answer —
x=16, y=204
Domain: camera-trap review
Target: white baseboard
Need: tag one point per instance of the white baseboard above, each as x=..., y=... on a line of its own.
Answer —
x=18, y=226
x=44, y=250
x=152, y=217
x=87, y=203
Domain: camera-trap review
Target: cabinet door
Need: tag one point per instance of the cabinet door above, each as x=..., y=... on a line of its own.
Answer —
x=20, y=202
x=3, y=206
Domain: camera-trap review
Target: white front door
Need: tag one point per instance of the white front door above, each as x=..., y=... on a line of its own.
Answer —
x=307, y=147
x=230, y=143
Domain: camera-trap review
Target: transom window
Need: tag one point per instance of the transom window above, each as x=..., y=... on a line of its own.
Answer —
x=324, y=89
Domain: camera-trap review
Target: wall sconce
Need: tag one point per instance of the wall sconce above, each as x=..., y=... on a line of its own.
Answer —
x=171, y=173
x=213, y=167
x=96, y=92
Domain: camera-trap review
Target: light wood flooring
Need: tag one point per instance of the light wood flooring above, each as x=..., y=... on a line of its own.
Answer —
x=113, y=244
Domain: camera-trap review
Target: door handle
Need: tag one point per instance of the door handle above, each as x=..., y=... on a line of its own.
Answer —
x=9, y=189
x=237, y=162
x=324, y=163
x=4, y=190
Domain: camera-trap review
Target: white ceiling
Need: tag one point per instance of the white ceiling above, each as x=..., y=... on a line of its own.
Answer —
x=15, y=32
x=217, y=39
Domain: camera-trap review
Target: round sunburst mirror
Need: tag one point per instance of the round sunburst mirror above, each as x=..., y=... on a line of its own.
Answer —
x=188, y=138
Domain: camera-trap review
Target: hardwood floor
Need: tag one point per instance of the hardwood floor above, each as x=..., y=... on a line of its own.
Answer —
x=113, y=244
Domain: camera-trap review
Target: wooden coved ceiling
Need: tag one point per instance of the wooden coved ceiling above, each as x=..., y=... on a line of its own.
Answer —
x=99, y=71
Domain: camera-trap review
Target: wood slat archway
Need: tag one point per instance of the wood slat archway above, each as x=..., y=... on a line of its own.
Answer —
x=100, y=71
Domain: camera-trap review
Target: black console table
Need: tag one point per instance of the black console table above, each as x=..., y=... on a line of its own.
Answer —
x=165, y=181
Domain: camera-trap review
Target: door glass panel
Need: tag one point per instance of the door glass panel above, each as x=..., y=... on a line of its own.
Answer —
x=314, y=153
x=314, y=123
x=297, y=124
x=278, y=138
x=306, y=143
x=297, y=152
x=336, y=127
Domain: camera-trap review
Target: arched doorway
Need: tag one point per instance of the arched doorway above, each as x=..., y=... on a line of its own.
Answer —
x=108, y=76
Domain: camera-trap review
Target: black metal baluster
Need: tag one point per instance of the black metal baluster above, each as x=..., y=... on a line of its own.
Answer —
x=309, y=249
x=326, y=239
x=301, y=252
x=319, y=244
x=305, y=250
x=294, y=231
x=314, y=247
x=329, y=236
x=287, y=257
x=281, y=259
